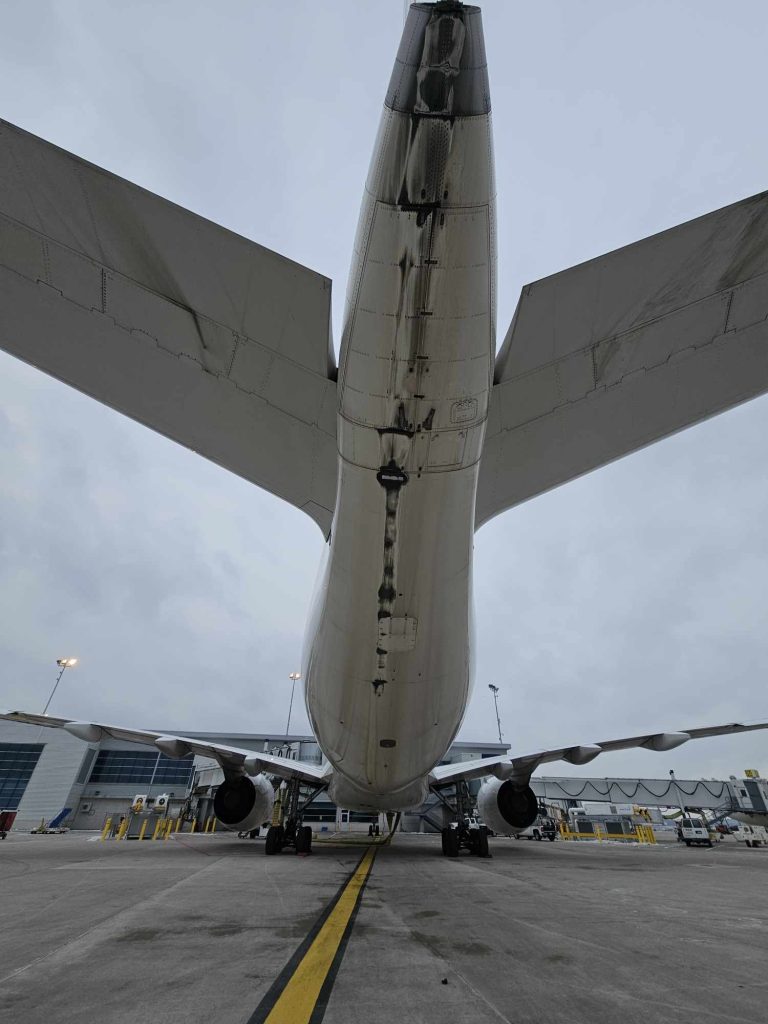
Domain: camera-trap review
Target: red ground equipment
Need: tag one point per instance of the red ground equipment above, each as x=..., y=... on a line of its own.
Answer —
x=7, y=819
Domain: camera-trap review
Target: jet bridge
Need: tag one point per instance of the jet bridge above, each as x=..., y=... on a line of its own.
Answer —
x=699, y=793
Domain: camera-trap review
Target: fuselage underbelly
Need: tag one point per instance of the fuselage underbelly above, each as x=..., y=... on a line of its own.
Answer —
x=388, y=650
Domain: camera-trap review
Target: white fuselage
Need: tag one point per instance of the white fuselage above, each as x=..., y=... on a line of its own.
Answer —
x=388, y=653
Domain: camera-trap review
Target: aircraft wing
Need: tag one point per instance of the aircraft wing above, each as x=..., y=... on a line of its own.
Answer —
x=612, y=355
x=212, y=340
x=232, y=758
x=523, y=766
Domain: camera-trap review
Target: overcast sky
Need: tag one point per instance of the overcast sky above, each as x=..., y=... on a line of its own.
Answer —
x=632, y=599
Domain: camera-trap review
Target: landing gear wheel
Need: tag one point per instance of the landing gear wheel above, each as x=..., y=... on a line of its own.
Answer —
x=482, y=844
x=274, y=841
x=537, y=835
x=304, y=839
x=444, y=840
x=451, y=842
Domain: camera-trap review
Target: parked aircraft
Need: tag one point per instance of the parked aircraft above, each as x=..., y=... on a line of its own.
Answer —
x=419, y=435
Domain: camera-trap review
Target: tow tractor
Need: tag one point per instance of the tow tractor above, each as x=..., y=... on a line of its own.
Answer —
x=752, y=835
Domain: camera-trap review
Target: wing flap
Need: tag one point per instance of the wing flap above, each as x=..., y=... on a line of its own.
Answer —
x=206, y=337
x=610, y=356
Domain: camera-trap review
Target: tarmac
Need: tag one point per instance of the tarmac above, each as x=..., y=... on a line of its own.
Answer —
x=206, y=928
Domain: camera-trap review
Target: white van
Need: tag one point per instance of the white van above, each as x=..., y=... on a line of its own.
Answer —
x=694, y=832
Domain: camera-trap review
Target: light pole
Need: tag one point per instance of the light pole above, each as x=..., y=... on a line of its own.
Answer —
x=679, y=797
x=495, y=691
x=64, y=664
x=293, y=676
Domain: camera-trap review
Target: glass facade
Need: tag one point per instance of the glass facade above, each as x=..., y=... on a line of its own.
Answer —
x=17, y=762
x=140, y=768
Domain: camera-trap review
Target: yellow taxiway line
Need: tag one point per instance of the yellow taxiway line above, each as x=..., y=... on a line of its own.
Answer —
x=307, y=979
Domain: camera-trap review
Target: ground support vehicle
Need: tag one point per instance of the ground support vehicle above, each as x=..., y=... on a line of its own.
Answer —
x=7, y=819
x=694, y=832
x=752, y=835
x=542, y=828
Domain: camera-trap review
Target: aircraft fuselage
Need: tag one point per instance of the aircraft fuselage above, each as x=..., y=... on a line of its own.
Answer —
x=388, y=653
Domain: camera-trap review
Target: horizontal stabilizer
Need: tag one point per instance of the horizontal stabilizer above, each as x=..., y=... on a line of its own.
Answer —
x=207, y=338
x=612, y=355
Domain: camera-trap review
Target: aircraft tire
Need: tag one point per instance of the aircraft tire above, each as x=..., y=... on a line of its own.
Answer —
x=444, y=841
x=537, y=835
x=274, y=840
x=304, y=839
x=482, y=844
x=452, y=842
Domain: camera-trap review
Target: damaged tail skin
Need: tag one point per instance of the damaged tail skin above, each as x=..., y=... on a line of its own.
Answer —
x=388, y=635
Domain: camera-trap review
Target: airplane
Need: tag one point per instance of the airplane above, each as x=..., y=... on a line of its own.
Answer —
x=416, y=438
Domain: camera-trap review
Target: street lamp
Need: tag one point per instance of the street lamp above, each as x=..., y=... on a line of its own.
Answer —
x=64, y=664
x=293, y=677
x=495, y=691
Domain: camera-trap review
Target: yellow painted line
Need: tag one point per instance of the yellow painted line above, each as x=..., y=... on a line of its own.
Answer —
x=297, y=1000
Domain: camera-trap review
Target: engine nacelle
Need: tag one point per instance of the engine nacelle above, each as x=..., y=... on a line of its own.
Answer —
x=505, y=808
x=244, y=803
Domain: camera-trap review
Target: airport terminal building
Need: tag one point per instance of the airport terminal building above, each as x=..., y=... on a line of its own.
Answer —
x=44, y=771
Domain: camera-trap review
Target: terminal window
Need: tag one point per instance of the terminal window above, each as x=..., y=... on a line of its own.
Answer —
x=17, y=762
x=124, y=767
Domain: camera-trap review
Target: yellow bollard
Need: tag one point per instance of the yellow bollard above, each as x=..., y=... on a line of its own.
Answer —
x=178, y=824
x=168, y=828
x=194, y=822
x=158, y=823
x=143, y=828
x=107, y=827
x=121, y=832
x=213, y=824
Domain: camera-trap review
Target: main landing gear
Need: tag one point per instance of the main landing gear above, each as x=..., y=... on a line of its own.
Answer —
x=289, y=831
x=466, y=832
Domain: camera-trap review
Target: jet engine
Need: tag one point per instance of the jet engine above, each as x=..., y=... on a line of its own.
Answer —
x=244, y=803
x=506, y=808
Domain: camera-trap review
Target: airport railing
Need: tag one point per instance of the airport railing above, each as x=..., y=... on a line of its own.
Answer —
x=639, y=834
x=163, y=828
